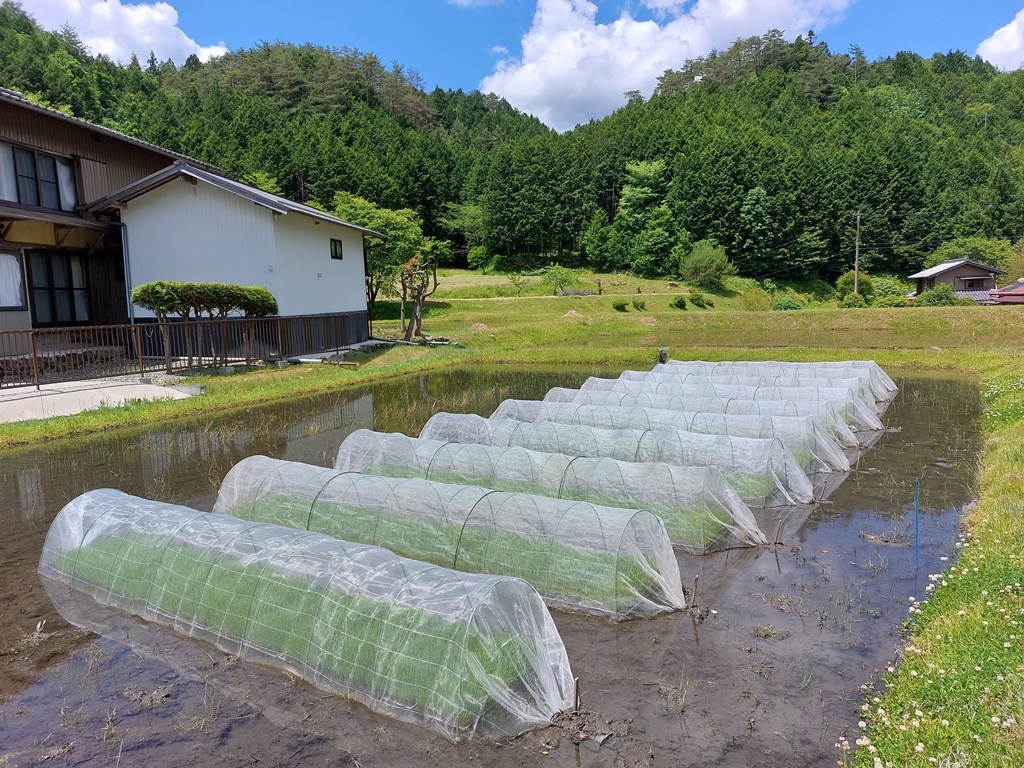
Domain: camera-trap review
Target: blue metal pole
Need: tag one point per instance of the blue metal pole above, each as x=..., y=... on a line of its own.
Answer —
x=917, y=509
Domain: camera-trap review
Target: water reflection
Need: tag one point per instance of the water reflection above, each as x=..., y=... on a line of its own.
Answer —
x=831, y=597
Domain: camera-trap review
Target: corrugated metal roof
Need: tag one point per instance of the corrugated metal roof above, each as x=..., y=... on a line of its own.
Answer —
x=949, y=264
x=275, y=203
x=11, y=96
x=979, y=297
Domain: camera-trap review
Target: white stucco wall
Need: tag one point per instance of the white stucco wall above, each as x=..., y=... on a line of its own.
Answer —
x=308, y=279
x=199, y=232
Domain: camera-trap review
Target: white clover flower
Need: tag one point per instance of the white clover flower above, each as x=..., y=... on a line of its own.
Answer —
x=919, y=747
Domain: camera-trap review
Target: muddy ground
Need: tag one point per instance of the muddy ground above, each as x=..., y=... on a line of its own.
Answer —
x=770, y=672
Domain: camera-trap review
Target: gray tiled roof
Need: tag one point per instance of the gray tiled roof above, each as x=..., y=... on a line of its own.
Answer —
x=267, y=200
x=11, y=96
x=949, y=264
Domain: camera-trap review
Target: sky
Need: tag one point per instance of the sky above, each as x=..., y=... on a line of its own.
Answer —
x=565, y=61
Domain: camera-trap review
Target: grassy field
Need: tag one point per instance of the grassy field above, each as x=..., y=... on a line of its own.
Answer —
x=956, y=698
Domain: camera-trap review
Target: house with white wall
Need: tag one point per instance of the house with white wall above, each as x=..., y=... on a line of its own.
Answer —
x=87, y=214
x=186, y=223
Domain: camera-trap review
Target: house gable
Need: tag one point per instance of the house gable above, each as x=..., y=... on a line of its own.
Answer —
x=189, y=230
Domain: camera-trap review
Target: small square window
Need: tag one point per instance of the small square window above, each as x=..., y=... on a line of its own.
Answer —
x=336, y=249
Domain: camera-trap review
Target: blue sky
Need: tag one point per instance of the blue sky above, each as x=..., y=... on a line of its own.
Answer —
x=567, y=61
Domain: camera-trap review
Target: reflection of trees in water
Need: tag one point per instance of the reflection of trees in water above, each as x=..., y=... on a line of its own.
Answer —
x=939, y=442
x=176, y=465
x=186, y=461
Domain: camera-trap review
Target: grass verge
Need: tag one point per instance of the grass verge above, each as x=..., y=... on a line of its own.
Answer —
x=985, y=706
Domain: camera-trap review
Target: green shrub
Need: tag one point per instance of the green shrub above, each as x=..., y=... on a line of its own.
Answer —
x=785, y=304
x=853, y=301
x=754, y=299
x=620, y=306
x=706, y=266
x=941, y=296
x=699, y=301
x=888, y=285
x=639, y=305
x=865, y=286
x=478, y=258
x=891, y=301
x=679, y=302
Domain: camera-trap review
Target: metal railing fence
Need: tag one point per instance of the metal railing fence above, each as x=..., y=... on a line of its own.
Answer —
x=48, y=355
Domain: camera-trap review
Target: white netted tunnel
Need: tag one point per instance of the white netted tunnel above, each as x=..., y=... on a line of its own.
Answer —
x=579, y=556
x=864, y=413
x=803, y=436
x=829, y=413
x=415, y=641
x=700, y=511
x=883, y=387
x=761, y=471
x=669, y=373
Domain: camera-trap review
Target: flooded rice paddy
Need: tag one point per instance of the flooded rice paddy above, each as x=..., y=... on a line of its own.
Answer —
x=771, y=671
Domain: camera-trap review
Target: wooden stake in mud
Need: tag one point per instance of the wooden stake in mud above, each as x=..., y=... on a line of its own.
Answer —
x=778, y=530
x=576, y=693
x=693, y=595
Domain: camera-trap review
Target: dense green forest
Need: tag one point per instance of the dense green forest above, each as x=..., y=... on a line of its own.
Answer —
x=772, y=150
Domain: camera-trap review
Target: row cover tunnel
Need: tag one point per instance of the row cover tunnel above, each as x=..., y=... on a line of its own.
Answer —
x=421, y=643
x=415, y=575
x=761, y=470
x=700, y=510
x=579, y=556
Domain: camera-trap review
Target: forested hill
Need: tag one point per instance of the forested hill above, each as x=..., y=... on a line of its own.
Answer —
x=769, y=148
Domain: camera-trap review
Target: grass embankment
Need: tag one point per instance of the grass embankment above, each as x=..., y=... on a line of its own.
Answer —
x=956, y=697
x=388, y=656
x=984, y=342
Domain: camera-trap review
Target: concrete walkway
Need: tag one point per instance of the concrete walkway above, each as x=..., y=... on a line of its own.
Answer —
x=65, y=399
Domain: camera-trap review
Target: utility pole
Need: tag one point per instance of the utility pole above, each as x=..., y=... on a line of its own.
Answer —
x=856, y=258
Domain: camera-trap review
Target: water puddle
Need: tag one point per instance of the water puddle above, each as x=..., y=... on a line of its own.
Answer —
x=770, y=674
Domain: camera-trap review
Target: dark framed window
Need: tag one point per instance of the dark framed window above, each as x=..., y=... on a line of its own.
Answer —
x=336, y=249
x=37, y=179
x=60, y=295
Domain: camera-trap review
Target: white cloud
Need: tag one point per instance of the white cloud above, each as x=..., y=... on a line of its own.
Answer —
x=120, y=29
x=1005, y=48
x=574, y=68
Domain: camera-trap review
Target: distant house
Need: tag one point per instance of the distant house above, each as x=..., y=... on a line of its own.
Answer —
x=1011, y=294
x=968, y=279
x=87, y=214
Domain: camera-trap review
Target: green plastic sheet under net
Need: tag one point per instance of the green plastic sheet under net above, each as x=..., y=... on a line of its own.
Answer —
x=803, y=436
x=700, y=511
x=579, y=556
x=846, y=398
x=827, y=412
x=418, y=642
x=883, y=387
x=761, y=471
